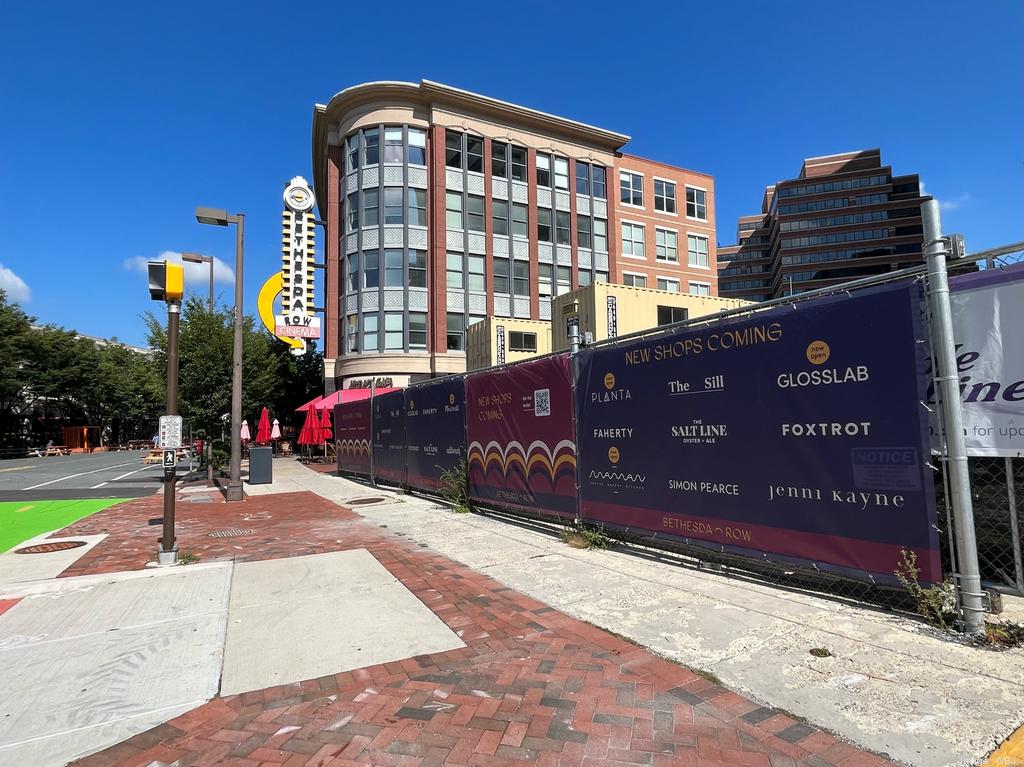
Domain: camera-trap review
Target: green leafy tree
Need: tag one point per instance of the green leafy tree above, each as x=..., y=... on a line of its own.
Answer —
x=271, y=377
x=15, y=327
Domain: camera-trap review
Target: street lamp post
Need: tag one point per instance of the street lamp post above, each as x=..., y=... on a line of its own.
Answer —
x=198, y=258
x=218, y=217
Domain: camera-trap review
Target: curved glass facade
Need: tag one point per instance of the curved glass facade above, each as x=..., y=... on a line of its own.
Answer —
x=385, y=240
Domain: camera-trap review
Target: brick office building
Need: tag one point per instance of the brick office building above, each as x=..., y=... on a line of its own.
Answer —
x=844, y=216
x=443, y=207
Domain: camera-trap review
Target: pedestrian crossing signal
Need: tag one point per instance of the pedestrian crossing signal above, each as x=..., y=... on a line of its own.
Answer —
x=166, y=281
x=169, y=459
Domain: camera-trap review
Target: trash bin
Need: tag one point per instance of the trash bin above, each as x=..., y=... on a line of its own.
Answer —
x=261, y=465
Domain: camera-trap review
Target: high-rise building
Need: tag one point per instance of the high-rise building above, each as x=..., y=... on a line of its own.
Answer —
x=443, y=207
x=844, y=216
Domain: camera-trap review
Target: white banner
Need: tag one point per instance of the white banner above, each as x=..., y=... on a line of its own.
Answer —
x=988, y=328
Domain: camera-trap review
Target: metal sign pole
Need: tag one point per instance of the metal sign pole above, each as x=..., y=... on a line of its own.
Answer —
x=947, y=382
x=168, y=547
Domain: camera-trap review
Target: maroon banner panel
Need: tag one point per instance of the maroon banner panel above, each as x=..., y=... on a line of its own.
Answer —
x=521, y=451
x=352, y=434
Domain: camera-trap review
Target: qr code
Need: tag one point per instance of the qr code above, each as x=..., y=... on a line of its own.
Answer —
x=542, y=402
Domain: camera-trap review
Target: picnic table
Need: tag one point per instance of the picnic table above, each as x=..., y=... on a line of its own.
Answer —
x=43, y=452
x=156, y=455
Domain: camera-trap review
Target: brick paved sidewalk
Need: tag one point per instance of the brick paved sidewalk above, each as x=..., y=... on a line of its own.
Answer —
x=533, y=686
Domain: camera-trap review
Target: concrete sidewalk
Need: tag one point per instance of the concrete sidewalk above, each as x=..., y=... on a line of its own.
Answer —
x=891, y=685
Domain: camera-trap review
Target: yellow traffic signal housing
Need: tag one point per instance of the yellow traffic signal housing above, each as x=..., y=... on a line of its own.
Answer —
x=166, y=281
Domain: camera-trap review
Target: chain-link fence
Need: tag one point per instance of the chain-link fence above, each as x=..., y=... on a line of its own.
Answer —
x=997, y=488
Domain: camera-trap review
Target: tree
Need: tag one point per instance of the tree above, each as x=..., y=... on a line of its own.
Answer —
x=15, y=327
x=271, y=377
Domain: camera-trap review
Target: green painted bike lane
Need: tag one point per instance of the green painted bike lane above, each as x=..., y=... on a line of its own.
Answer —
x=22, y=520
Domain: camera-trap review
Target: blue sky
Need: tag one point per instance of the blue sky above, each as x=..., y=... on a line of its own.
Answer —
x=121, y=117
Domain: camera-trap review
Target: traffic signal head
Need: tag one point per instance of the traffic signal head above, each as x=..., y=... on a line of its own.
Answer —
x=166, y=281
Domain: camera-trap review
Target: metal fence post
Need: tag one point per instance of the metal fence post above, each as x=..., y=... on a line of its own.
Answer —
x=947, y=382
x=1011, y=492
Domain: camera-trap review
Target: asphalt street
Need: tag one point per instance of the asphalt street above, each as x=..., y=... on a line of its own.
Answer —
x=95, y=475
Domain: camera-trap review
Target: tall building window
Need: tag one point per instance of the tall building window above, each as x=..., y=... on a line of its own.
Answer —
x=371, y=269
x=353, y=273
x=521, y=278
x=417, y=154
x=665, y=283
x=562, y=173
x=633, y=240
x=563, y=279
x=475, y=213
x=394, y=333
x=352, y=333
x=393, y=145
x=417, y=330
x=520, y=222
x=582, y=177
x=544, y=224
x=477, y=280
x=456, y=332
x=600, y=190
x=584, y=277
x=600, y=277
x=501, y=275
x=696, y=203
x=353, y=151
x=417, y=207
x=631, y=188
x=562, y=227
x=665, y=245
x=634, y=280
x=371, y=142
x=394, y=207
x=371, y=201
x=664, y=196
x=697, y=249
x=543, y=170
x=371, y=340
x=474, y=154
x=499, y=160
x=454, y=271
x=520, y=341
x=545, y=274
x=583, y=231
x=394, y=268
x=417, y=268
x=453, y=149
x=667, y=315
x=518, y=155
x=500, y=217
x=700, y=289
x=600, y=235
x=453, y=210
x=353, y=211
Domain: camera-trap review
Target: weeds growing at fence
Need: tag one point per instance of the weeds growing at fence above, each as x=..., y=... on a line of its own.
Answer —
x=936, y=604
x=455, y=487
x=188, y=558
x=582, y=536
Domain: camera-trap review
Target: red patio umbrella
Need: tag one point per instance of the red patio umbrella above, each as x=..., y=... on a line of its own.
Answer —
x=263, y=430
x=306, y=433
x=325, y=426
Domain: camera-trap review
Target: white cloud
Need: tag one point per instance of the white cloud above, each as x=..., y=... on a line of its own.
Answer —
x=15, y=287
x=954, y=204
x=948, y=204
x=197, y=276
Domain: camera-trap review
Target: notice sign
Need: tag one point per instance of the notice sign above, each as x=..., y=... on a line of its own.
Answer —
x=170, y=432
x=988, y=315
x=796, y=434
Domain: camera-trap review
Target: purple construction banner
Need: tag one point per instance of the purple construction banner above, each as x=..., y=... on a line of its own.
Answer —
x=519, y=421
x=389, y=462
x=435, y=430
x=796, y=433
x=352, y=434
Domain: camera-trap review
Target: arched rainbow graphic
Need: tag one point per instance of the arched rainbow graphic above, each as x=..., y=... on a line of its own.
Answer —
x=353, y=447
x=538, y=457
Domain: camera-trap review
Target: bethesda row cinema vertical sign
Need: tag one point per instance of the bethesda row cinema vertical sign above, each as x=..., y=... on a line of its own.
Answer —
x=298, y=247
